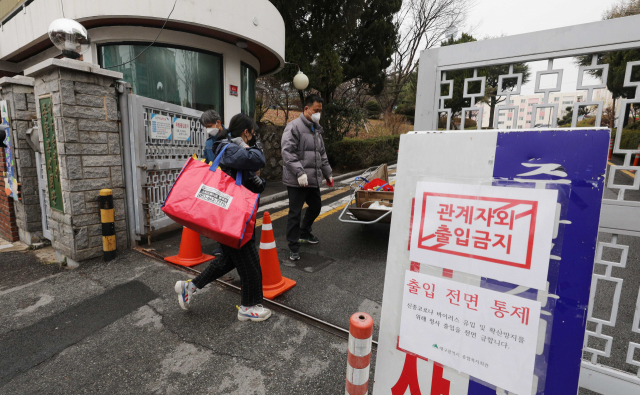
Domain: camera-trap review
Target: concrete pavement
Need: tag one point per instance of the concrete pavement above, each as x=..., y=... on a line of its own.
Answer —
x=117, y=328
x=131, y=335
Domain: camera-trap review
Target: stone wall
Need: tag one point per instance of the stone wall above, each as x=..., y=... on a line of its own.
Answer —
x=271, y=136
x=18, y=92
x=89, y=146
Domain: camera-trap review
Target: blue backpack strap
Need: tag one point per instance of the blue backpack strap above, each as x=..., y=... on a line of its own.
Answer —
x=216, y=163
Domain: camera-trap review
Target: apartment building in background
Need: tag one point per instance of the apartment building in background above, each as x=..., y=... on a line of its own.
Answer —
x=523, y=117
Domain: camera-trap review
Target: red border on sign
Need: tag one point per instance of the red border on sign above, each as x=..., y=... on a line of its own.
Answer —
x=533, y=212
x=408, y=352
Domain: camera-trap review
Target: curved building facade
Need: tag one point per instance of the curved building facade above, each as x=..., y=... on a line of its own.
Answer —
x=207, y=57
x=75, y=130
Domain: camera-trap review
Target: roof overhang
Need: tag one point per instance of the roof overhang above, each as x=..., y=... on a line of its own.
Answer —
x=255, y=21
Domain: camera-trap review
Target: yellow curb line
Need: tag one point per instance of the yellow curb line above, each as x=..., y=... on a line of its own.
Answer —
x=285, y=212
x=335, y=210
x=627, y=172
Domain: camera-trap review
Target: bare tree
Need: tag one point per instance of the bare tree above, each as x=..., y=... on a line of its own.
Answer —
x=422, y=24
x=622, y=8
x=279, y=94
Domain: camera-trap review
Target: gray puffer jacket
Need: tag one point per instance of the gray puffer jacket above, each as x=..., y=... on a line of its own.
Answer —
x=303, y=152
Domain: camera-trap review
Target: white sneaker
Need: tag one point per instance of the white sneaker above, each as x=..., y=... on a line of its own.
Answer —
x=185, y=291
x=253, y=313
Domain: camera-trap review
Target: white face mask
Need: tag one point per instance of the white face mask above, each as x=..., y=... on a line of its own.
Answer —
x=315, y=117
x=213, y=132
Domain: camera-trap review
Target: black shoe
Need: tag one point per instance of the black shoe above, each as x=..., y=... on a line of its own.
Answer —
x=311, y=239
x=217, y=252
x=294, y=256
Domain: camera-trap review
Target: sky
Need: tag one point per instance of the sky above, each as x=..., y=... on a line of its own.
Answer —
x=494, y=18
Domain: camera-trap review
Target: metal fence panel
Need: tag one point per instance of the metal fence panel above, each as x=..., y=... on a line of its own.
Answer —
x=157, y=162
x=607, y=343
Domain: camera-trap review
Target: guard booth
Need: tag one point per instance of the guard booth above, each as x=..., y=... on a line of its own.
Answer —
x=92, y=131
x=588, y=285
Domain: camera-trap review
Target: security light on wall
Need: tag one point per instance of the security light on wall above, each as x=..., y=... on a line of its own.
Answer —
x=70, y=37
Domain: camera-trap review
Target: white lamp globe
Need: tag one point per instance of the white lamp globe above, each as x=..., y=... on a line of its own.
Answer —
x=70, y=37
x=301, y=81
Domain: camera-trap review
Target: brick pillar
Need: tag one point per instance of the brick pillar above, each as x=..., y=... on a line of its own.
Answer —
x=18, y=93
x=76, y=103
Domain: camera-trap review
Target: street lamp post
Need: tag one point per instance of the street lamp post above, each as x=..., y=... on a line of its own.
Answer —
x=300, y=81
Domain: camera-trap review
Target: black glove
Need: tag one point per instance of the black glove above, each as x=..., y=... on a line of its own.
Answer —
x=259, y=183
x=255, y=143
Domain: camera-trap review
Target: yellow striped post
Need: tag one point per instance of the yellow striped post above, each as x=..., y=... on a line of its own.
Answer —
x=107, y=216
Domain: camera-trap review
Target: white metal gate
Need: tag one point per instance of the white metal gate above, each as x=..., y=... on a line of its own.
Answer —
x=608, y=366
x=154, y=164
x=41, y=172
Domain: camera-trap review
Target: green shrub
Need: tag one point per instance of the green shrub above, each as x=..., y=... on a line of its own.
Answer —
x=373, y=109
x=356, y=154
x=633, y=126
x=630, y=138
x=585, y=123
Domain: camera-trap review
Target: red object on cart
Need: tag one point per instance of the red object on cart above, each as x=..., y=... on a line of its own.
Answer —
x=207, y=200
x=378, y=184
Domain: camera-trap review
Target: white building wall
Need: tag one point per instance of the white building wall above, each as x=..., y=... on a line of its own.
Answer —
x=254, y=20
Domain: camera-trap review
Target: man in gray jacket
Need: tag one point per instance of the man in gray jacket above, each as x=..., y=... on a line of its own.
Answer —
x=305, y=165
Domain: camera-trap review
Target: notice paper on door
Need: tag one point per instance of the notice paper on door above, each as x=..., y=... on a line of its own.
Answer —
x=160, y=127
x=486, y=334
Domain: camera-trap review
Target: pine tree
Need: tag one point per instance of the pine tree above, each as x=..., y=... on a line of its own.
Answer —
x=334, y=41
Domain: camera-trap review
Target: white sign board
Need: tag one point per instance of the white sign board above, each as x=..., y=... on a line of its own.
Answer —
x=160, y=127
x=181, y=129
x=486, y=334
x=496, y=232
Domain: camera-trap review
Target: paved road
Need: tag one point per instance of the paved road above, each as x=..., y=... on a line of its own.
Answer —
x=133, y=338
x=341, y=275
x=116, y=328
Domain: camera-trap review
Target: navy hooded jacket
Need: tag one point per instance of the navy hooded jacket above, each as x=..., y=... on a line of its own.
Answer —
x=236, y=158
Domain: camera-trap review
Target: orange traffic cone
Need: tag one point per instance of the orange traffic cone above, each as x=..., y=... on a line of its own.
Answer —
x=190, y=253
x=273, y=284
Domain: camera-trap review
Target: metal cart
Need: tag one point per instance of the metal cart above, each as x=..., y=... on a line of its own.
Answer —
x=360, y=213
